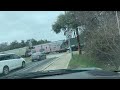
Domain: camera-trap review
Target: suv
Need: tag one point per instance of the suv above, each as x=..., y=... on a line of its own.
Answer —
x=9, y=62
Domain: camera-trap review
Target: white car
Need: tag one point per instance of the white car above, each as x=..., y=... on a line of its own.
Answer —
x=9, y=62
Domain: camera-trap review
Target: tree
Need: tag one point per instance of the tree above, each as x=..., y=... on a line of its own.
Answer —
x=103, y=42
x=67, y=21
x=23, y=44
x=100, y=35
x=3, y=46
x=43, y=41
x=14, y=45
x=34, y=42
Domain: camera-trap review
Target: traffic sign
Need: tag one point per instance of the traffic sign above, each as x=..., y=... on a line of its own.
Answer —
x=68, y=33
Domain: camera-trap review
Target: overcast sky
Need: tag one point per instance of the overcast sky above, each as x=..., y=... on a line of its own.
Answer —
x=23, y=25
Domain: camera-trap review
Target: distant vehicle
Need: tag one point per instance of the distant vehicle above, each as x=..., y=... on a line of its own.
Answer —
x=73, y=47
x=56, y=46
x=38, y=56
x=29, y=51
x=9, y=62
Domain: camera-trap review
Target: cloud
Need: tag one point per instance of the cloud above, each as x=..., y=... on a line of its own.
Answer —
x=22, y=25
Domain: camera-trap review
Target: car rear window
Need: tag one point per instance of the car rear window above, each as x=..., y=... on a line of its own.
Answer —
x=15, y=56
x=4, y=57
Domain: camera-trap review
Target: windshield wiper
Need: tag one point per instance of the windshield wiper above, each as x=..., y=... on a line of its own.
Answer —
x=41, y=74
x=47, y=73
x=117, y=71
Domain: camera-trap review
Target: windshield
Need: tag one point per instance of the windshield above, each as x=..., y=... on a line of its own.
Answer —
x=66, y=39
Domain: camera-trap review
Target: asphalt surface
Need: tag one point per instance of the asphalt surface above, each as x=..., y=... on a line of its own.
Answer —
x=31, y=66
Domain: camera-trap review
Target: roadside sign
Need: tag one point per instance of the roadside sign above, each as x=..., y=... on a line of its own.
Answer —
x=68, y=33
x=69, y=36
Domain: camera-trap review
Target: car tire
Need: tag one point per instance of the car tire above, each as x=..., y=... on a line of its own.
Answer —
x=33, y=60
x=5, y=70
x=23, y=64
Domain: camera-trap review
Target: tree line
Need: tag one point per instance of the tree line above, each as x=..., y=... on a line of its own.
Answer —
x=15, y=44
x=100, y=33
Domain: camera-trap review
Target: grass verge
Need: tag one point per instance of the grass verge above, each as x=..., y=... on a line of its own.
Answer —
x=82, y=61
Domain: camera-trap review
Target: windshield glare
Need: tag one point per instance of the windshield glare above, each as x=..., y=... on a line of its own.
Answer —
x=60, y=40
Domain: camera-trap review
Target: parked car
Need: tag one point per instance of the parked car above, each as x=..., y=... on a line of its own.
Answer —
x=9, y=62
x=29, y=51
x=73, y=47
x=62, y=50
x=38, y=56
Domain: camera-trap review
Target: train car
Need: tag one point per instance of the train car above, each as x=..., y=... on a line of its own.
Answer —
x=55, y=46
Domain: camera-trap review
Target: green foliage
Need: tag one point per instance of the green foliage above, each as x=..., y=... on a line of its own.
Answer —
x=15, y=44
x=100, y=35
x=83, y=61
x=65, y=20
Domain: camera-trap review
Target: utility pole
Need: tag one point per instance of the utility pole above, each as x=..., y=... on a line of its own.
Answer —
x=78, y=36
x=69, y=42
x=67, y=33
x=78, y=40
x=118, y=22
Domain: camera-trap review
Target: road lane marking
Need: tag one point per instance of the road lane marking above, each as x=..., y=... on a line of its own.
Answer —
x=30, y=66
x=49, y=64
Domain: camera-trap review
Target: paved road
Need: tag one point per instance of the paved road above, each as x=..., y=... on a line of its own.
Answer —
x=31, y=66
x=55, y=55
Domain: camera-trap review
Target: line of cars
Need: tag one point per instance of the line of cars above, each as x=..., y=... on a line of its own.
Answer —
x=41, y=55
x=11, y=61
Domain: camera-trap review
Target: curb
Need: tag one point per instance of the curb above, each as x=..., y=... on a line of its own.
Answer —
x=49, y=64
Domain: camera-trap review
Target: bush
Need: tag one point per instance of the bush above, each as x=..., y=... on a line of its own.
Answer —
x=83, y=61
x=104, y=47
